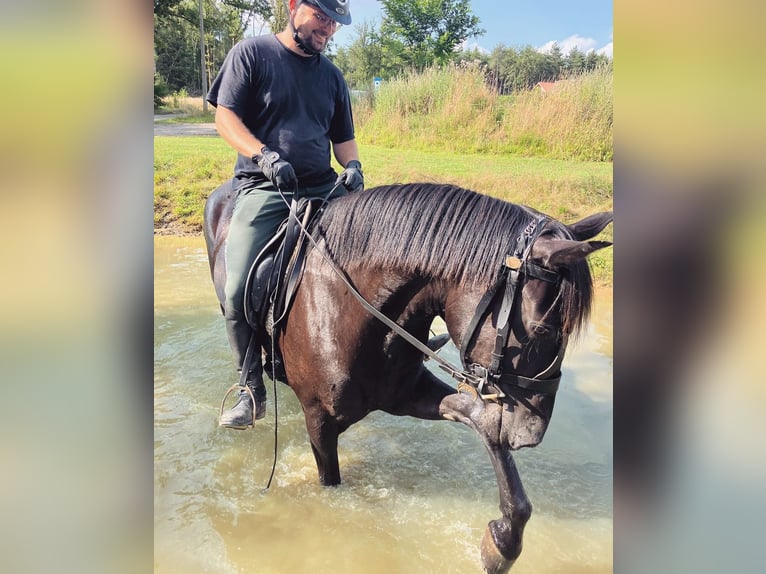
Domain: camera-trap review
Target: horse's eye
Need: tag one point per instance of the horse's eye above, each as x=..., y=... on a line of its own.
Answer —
x=540, y=330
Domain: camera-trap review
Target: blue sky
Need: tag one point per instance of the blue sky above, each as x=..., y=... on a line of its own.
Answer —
x=586, y=24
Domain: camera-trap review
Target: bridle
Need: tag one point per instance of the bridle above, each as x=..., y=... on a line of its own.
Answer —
x=515, y=270
x=474, y=378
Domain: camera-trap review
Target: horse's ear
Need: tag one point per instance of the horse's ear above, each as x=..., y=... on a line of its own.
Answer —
x=559, y=253
x=591, y=225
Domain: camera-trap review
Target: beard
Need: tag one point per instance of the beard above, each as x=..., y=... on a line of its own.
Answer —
x=312, y=40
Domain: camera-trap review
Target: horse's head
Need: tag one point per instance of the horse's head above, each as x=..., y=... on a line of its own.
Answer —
x=520, y=336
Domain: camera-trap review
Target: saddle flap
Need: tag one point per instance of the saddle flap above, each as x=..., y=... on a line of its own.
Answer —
x=258, y=279
x=271, y=280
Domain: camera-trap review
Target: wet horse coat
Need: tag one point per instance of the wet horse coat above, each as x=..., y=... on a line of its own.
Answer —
x=417, y=252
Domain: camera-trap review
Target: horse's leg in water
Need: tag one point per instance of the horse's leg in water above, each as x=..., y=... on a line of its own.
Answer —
x=431, y=398
x=502, y=540
x=323, y=433
x=501, y=544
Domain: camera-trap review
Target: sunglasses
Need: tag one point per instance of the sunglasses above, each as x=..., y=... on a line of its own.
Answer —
x=321, y=18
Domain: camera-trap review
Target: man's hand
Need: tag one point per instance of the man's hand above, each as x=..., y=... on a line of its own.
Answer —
x=352, y=177
x=277, y=171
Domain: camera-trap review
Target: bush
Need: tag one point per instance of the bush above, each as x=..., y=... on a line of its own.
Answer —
x=177, y=97
x=161, y=90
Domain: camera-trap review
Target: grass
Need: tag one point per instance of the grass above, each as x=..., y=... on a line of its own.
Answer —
x=189, y=107
x=186, y=170
x=452, y=109
x=180, y=102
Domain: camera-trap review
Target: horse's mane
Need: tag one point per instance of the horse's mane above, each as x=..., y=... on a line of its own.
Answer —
x=441, y=231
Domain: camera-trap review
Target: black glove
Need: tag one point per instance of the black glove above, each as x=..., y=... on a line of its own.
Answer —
x=277, y=171
x=352, y=177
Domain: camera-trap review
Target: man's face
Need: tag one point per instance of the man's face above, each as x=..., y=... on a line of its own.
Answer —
x=314, y=28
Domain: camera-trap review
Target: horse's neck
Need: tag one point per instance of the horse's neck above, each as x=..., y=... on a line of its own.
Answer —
x=459, y=306
x=411, y=301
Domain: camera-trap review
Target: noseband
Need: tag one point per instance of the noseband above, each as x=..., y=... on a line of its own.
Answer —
x=515, y=270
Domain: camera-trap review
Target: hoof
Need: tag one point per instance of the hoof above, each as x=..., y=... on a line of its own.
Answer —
x=491, y=558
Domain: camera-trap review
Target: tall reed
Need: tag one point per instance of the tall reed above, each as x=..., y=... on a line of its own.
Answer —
x=452, y=109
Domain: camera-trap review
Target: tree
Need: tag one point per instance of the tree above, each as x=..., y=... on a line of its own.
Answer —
x=593, y=61
x=419, y=33
x=502, y=64
x=176, y=53
x=575, y=62
x=472, y=57
x=555, y=59
x=279, y=15
x=177, y=36
x=165, y=7
x=202, y=66
x=511, y=69
x=363, y=59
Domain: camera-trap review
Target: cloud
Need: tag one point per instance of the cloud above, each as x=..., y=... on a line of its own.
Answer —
x=574, y=41
x=606, y=50
x=466, y=46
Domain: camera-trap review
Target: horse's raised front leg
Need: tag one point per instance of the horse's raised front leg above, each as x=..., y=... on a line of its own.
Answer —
x=422, y=400
x=323, y=434
x=431, y=398
x=502, y=540
x=501, y=544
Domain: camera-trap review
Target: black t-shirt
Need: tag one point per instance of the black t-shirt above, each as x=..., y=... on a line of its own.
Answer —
x=294, y=105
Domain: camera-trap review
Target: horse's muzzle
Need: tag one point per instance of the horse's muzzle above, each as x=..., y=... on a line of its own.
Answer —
x=525, y=422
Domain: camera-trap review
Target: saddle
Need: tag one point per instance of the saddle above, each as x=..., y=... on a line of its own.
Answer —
x=274, y=275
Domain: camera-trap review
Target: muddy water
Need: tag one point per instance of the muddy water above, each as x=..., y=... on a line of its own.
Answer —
x=416, y=495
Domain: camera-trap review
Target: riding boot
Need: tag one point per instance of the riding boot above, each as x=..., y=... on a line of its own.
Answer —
x=240, y=416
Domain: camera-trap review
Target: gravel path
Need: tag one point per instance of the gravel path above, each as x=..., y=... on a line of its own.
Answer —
x=163, y=128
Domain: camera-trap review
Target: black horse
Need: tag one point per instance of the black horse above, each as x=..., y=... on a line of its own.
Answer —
x=511, y=284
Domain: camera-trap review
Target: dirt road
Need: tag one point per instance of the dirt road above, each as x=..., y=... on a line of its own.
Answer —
x=165, y=128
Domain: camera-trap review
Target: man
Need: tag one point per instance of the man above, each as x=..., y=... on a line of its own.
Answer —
x=281, y=105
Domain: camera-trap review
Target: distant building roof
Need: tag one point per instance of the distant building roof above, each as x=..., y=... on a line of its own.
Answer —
x=546, y=86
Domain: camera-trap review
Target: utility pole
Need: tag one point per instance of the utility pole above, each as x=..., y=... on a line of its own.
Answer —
x=203, y=67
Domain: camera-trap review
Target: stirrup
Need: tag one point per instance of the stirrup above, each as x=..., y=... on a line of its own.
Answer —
x=252, y=398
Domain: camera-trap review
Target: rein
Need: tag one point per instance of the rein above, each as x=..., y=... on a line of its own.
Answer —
x=475, y=378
